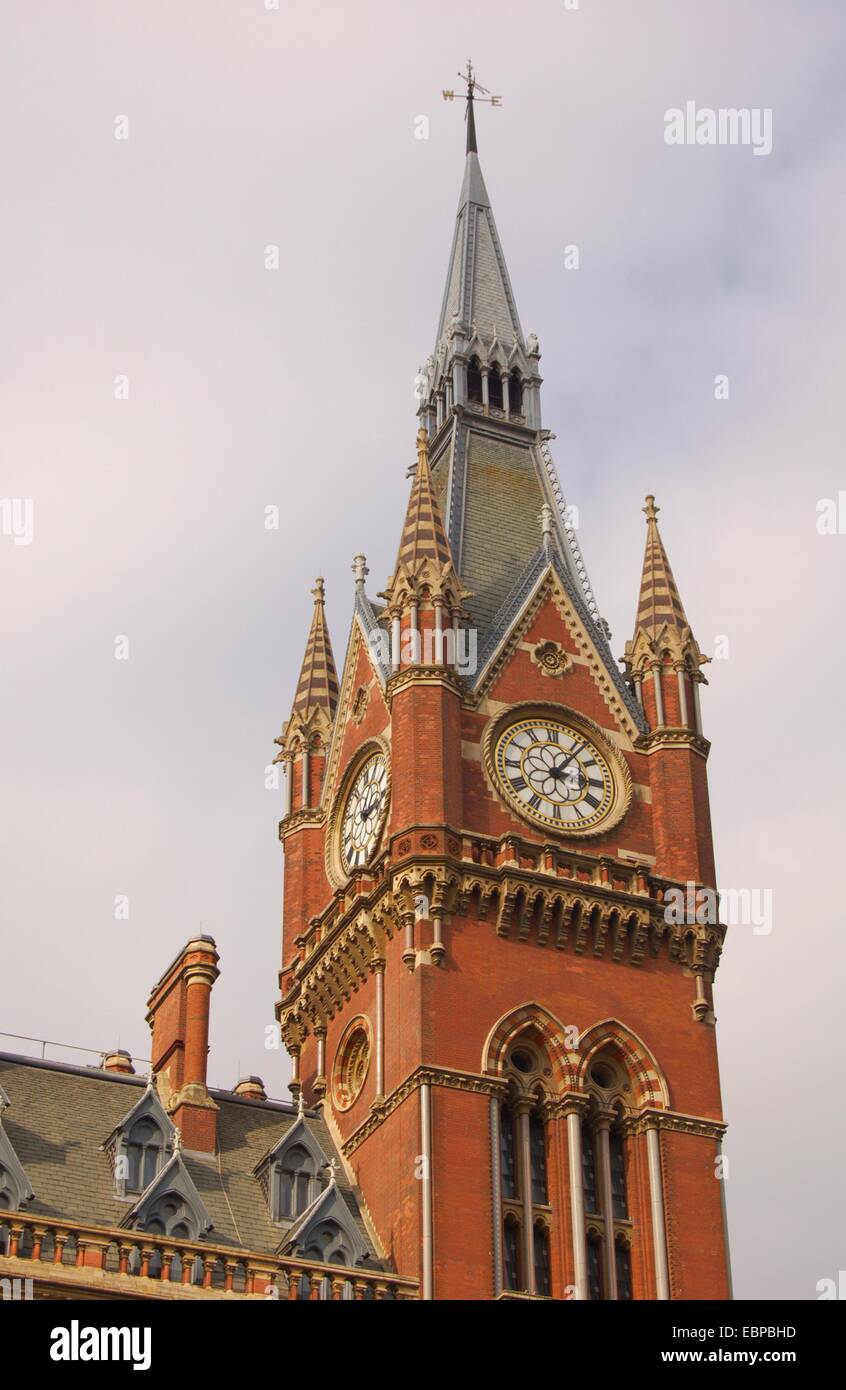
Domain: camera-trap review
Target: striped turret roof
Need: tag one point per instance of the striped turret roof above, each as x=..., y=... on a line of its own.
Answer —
x=659, y=601
x=423, y=535
x=317, y=688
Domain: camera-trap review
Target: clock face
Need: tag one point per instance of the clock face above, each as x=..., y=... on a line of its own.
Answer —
x=364, y=813
x=554, y=775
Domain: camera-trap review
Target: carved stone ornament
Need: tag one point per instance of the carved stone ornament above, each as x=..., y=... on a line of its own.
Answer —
x=551, y=658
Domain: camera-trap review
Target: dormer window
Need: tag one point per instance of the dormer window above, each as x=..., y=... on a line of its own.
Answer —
x=141, y=1145
x=294, y=1173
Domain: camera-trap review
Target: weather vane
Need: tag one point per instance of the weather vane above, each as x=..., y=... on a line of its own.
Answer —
x=472, y=95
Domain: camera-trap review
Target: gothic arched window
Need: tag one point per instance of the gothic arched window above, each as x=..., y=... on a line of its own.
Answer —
x=495, y=387
x=297, y=1183
x=604, y=1180
x=524, y=1198
x=511, y=1252
x=543, y=1282
x=328, y=1245
x=474, y=380
x=515, y=394
x=623, y=1263
x=144, y=1153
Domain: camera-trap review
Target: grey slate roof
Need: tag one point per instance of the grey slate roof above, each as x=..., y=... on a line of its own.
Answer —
x=60, y=1116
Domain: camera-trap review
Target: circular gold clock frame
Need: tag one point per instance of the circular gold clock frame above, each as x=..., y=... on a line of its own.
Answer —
x=583, y=727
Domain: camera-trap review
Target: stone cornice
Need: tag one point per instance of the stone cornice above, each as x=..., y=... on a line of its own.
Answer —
x=677, y=1122
x=519, y=888
x=668, y=737
x=426, y=675
x=307, y=817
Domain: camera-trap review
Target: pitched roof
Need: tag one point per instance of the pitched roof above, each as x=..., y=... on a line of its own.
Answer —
x=317, y=687
x=61, y=1116
x=659, y=601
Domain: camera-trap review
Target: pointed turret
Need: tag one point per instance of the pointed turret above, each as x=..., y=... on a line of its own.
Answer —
x=663, y=641
x=308, y=730
x=424, y=595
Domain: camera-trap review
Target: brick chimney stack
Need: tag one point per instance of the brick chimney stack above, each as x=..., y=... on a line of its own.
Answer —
x=178, y=1014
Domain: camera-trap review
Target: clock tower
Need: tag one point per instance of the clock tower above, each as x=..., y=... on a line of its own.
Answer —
x=487, y=986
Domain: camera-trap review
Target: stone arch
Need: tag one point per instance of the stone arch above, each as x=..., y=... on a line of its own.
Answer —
x=649, y=1084
x=527, y=1018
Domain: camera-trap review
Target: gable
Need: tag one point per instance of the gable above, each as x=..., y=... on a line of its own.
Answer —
x=549, y=655
x=171, y=1205
x=350, y=731
x=326, y=1232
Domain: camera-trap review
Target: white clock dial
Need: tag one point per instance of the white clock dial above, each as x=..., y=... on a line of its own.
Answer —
x=364, y=813
x=554, y=775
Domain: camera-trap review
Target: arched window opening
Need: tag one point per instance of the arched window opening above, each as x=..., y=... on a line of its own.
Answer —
x=495, y=388
x=328, y=1245
x=508, y=1154
x=144, y=1151
x=594, y=1268
x=474, y=381
x=515, y=394
x=297, y=1181
x=623, y=1265
x=543, y=1283
x=618, y=1176
x=170, y=1216
x=524, y=1188
x=511, y=1255
x=589, y=1170
x=537, y=1144
x=604, y=1154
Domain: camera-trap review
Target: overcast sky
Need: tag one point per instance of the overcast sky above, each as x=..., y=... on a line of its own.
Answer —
x=144, y=257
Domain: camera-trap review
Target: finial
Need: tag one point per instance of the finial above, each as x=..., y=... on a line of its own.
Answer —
x=545, y=519
x=333, y=1165
x=300, y=1103
x=319, y=591
x=472, y=95
x=360, y=572
x=651, y=509
x=177, y=1139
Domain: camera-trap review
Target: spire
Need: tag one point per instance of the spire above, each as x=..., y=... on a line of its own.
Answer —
x=317, y=688
x=316, y=697
x=661, y=624
x=478, y=294
x=424, y=559
x=659, y=601
x=423, y=535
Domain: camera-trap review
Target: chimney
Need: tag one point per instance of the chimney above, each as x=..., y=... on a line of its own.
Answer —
x=251, y=1088
x=178, y=1014
x=119, y=1061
